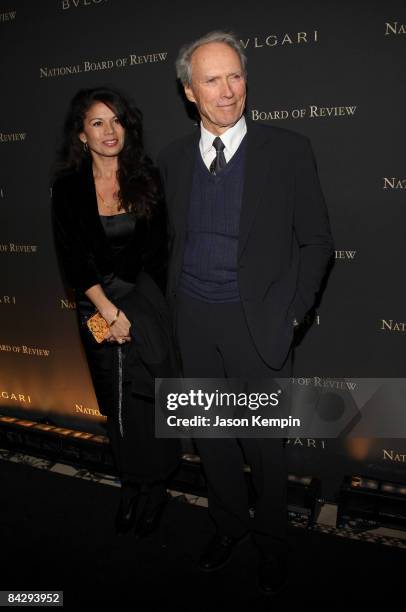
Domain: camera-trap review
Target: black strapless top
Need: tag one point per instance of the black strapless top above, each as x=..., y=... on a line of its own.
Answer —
x=119, y=231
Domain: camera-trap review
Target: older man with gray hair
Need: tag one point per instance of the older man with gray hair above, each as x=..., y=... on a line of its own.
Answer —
x=249, y=246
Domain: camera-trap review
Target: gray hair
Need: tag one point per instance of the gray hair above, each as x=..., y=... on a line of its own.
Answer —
x=184, y=60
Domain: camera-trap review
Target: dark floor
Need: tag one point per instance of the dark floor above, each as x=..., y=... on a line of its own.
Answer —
x=56, y=532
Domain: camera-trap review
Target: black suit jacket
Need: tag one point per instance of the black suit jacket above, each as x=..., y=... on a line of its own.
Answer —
x=285, y=241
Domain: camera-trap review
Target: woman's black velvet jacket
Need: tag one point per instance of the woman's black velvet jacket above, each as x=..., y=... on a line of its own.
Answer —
x=86, y=258
x=84, y=252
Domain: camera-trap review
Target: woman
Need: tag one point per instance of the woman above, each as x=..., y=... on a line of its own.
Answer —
x=109, y=231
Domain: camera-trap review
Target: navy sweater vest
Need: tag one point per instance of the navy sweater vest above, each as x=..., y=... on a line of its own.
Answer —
x=209, y=270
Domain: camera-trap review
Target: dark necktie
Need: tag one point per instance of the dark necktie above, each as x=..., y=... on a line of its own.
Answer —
x=219, y=161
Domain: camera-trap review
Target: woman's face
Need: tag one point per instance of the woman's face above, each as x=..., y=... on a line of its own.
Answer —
x=102, y=131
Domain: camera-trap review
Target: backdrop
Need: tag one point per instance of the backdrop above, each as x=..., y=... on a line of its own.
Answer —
x=334, y=71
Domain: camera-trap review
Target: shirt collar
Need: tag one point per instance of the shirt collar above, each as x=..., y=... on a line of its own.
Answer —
x=231, y=138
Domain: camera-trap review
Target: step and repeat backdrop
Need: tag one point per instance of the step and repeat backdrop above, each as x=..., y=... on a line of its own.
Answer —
x=334, y=71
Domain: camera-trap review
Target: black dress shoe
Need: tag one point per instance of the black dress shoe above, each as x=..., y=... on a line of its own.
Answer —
x=218, y=552
x=150, y=519
x=272, y=575
x=127, y=510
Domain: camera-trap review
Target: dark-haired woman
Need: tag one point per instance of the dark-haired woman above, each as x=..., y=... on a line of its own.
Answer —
x=110, y=236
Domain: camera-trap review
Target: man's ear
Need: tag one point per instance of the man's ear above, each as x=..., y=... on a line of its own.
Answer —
x=189, y=93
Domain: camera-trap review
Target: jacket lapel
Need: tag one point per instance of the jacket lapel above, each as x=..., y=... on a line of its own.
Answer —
x=183, y=190
x=186, y=165
x=88, y=208
x=256, y=168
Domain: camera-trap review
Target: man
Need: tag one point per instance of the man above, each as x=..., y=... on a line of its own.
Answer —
x=250, y=243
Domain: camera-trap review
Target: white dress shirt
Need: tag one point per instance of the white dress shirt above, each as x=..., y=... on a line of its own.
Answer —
x=231, y=139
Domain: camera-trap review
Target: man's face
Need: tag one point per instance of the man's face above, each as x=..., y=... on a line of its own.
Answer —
x=218, y=86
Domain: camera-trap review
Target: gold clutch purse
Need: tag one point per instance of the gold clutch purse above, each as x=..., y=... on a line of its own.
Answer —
x=98, y=327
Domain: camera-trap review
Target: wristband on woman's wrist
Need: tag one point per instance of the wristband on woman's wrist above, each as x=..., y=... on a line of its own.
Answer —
x=115, y=318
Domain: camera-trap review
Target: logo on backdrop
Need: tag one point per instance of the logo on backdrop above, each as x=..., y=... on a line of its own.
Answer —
x=127, y=61
x=12, y=137
x=325, y=383
x=68, y=4
x=395, y=28
x=9, y=16
x=7, y=299
x=309, y=112
x=307, y=442
x=84, y=410
x=392, y=455
x=345, y=255
x=20, y=398
x=66, y=304
x=275, y=40
x=17, y=249
x=394, y=182
x=31, y=351
x=391, y=325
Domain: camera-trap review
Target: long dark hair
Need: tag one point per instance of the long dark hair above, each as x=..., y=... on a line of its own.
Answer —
x=136, y=175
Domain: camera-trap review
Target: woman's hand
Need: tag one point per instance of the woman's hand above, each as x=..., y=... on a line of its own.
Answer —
x=120, y=326
x=120, y=329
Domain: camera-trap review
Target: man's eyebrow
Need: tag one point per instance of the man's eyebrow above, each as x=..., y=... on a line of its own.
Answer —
x=216, y=76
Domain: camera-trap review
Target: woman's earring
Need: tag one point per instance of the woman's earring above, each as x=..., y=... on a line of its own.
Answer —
x=85, y=147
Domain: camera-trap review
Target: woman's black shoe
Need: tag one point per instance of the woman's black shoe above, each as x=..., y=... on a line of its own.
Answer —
x=127, y=510
x=150, y=519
